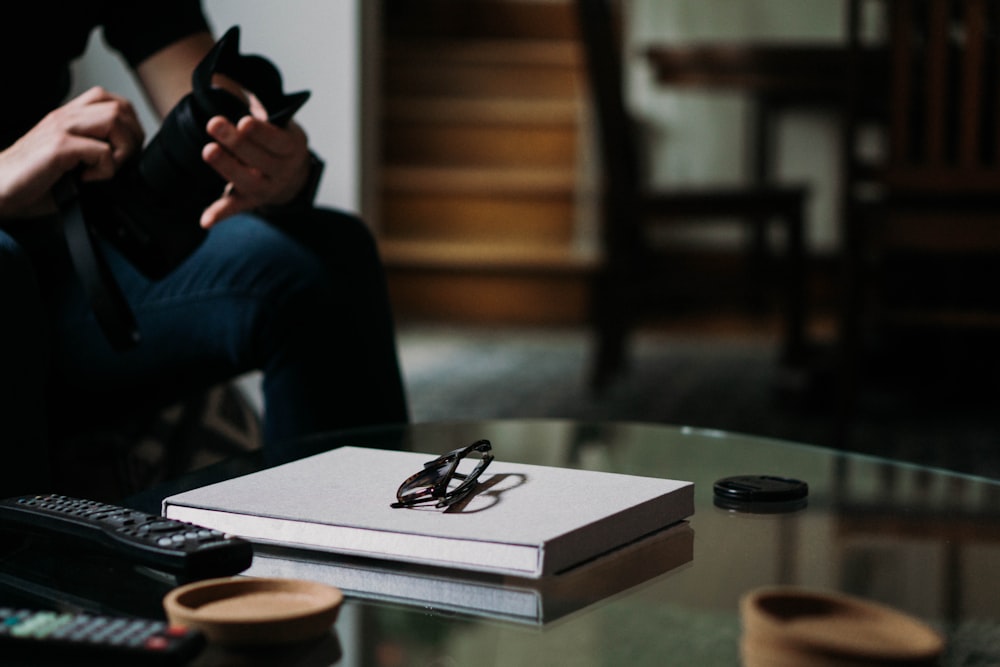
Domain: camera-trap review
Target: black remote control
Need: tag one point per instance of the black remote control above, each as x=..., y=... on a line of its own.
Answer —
x=172, y=546
x=48, y=637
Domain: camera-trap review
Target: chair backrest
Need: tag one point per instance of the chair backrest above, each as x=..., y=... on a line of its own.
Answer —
x=943, y=124
x=601, y=41
x=600, y=27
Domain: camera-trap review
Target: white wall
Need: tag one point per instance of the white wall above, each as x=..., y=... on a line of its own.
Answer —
x=315, y=44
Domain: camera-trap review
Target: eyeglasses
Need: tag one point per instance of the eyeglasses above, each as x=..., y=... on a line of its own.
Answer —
x=441, y=482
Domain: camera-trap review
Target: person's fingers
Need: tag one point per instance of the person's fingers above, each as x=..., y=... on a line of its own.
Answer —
x=111, y=118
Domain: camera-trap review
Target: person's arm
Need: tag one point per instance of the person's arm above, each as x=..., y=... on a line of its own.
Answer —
x=166, y=75
x=263, y=164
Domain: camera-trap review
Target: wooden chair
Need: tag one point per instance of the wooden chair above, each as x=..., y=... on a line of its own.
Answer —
x=638, y=276
x=922, y=227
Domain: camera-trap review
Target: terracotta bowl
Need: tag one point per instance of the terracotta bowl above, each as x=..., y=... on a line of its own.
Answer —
x=248, y=610
x=806, y=628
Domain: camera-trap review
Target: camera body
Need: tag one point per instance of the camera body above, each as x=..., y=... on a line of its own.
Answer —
x=151, y=210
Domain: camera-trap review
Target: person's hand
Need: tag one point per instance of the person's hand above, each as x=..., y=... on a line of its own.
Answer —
x=96, y=131
x=263, y=164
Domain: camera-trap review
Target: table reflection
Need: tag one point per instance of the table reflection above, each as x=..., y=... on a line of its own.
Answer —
x=493, y=597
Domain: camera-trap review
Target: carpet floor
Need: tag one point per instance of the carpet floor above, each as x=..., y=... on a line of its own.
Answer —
x=719, y=381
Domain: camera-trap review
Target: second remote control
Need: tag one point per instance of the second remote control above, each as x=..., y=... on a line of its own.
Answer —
x=32, y=637
x=176, y=547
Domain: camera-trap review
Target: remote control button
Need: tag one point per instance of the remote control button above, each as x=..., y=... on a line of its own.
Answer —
x=160, y=526
x=157, y=643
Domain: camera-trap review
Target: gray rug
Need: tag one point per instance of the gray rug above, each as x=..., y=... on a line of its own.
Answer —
x=709, y=381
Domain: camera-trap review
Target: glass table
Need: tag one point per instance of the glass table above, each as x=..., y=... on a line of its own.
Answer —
x=923, y=541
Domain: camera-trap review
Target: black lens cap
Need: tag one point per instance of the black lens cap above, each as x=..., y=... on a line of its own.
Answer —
x=757, y=492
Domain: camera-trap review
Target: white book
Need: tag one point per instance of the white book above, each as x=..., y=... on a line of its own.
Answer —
x=516, y=599
x=522, y=520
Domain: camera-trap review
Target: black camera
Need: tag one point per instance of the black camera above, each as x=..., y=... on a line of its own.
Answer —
x=150, y=210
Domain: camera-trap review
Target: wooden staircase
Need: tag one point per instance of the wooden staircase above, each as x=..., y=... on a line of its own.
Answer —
x=478, y=211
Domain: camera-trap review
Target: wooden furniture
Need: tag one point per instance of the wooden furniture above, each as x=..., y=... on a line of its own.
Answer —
x=778, y=77
x=922, y=230
x=638, y=274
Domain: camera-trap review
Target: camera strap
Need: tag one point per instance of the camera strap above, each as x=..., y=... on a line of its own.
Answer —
x=110, y=307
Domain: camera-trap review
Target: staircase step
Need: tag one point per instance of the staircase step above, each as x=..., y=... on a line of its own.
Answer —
x=481, y=181
x=494, y=298
x=488, y=283
x=481, y=18
x=499, y=283
x=543, y=219
x=488, y=298
x=482, y=111
x=525, y=52
x=480, y=257
x=495, y=69
x=477, y=145
x=483, y=80
x=502, y=69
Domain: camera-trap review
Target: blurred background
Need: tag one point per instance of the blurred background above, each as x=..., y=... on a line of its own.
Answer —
x=466, y=134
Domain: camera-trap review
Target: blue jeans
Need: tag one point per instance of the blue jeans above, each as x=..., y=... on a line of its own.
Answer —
x=306, y=304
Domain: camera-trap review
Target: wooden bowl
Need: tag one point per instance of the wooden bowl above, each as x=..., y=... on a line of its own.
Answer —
x=800, y=627
x=246, y=610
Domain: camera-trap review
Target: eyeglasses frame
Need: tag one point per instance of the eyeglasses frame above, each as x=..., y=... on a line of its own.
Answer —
x=439, y=490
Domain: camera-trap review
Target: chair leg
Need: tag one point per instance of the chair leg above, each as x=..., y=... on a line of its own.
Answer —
x=758, y=264
x=761, y=126
x=850, y=337
x=794, y=275
x=610, y=326
x=609, y=357
x=848, y=381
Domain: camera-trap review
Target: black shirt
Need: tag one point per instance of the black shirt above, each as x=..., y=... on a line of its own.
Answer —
x=40, y=38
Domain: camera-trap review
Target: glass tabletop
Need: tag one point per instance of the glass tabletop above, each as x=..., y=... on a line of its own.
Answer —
x=920, y=540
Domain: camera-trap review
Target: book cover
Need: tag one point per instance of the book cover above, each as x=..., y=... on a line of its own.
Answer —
x=522, y=520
